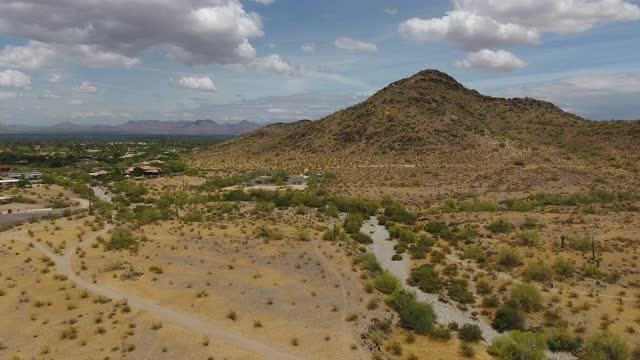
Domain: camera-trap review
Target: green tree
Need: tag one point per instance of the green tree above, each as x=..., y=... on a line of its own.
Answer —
x=417, y=316
x=386, y=283
x=526, y=297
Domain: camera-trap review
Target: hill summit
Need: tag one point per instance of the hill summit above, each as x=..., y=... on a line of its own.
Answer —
x=427, y=117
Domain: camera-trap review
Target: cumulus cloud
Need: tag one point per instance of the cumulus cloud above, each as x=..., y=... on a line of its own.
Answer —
x=197, y=83
x=54, y=78
x=85, y=87
x=491, y=60
x=116, y=32
x=563, y=16
x=469, y=31
x=350, y=44
x=276, y=64
x=14, y=79
x=308, y=47
x=391, y=11
x=477, y=24
x=596, y=96
x=30, y=57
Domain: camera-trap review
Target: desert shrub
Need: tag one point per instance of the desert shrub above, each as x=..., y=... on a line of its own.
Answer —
x=458, y=290
x=426, y=278
x=500, y=226
x=422, y=246
x=440, y=333
x=508, y=258
x=592, y=271
x=564, y=268
x=474, y=252
x=483, y=287
x=606, y=345
x=121, y=239
x=403, y=233
x=398, y=213
x=386, y=283
x=526, y=297
x=353, y=223
x=436, y=227
x=362, y=238
x=519, y=345
x=369, y=262
x=470, y=333
x=538, y=271
x=561, y=339
x=507, y=317
x=236, y=195
x=527, y=238
x=417, y=316
x=400, y=298
x=580, y=243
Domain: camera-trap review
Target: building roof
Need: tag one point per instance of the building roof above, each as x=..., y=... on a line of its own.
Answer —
x=7, y=167
x=9, y=181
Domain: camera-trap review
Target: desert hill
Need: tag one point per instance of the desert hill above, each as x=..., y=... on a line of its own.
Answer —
x=429, y=122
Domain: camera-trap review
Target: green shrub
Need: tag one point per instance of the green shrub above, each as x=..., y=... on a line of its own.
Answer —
x=417, y=316
x=580, y=243
x=527, y=238
x=519, y=345
x=470, y=333
x=362, y=238
x=564, y=268
x=426, y=278
x=386, y=283
x=473, y=252
x=400, y=298
x=121, y=239
x=458, y=290
x=353, y=223
x=606, y=345
x=500, y=226
x=538, y=271
x=526, y=297
x=508, y=317
x=398, y=213
x=561, y=339
x=436, y=227
x=508, y=258
x=369, y=262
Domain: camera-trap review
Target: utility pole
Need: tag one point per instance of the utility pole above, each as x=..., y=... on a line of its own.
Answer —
x=593, y=247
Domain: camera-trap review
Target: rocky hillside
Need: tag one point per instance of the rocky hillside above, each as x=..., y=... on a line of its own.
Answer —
x=427, y=116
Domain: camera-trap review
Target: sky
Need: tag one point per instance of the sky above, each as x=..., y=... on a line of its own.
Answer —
x=111, y=61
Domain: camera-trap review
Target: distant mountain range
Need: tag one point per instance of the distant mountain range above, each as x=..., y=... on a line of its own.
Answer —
x=142, y=127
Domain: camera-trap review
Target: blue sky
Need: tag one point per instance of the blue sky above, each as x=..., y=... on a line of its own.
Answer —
x=112, y=61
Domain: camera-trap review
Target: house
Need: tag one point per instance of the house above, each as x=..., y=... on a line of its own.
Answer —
x=30, y=175
x=7, y=183
x=143, y=170
x=95, y=173
x=6, y=168
x=297, y=179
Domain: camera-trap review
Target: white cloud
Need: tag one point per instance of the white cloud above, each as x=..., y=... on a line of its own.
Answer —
x=597, y=96
x=491, y=60
x=76, y=102
x=469, y=31
x=197, y=83
x=276, y=64
x=32, y=56
x=49, y=95
x=478, y=24
x=308, y=47
x=277, y=111
x=562, y=16
x=265, y=2
x=391, y=11
x=7, y=96
x=350, y=44
x=106, y=33
x=101, y=114
x=85, y=88
x=14, y=79
x=55, y=78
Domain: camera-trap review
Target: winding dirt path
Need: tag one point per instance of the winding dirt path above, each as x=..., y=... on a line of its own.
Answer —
x=188, y=321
